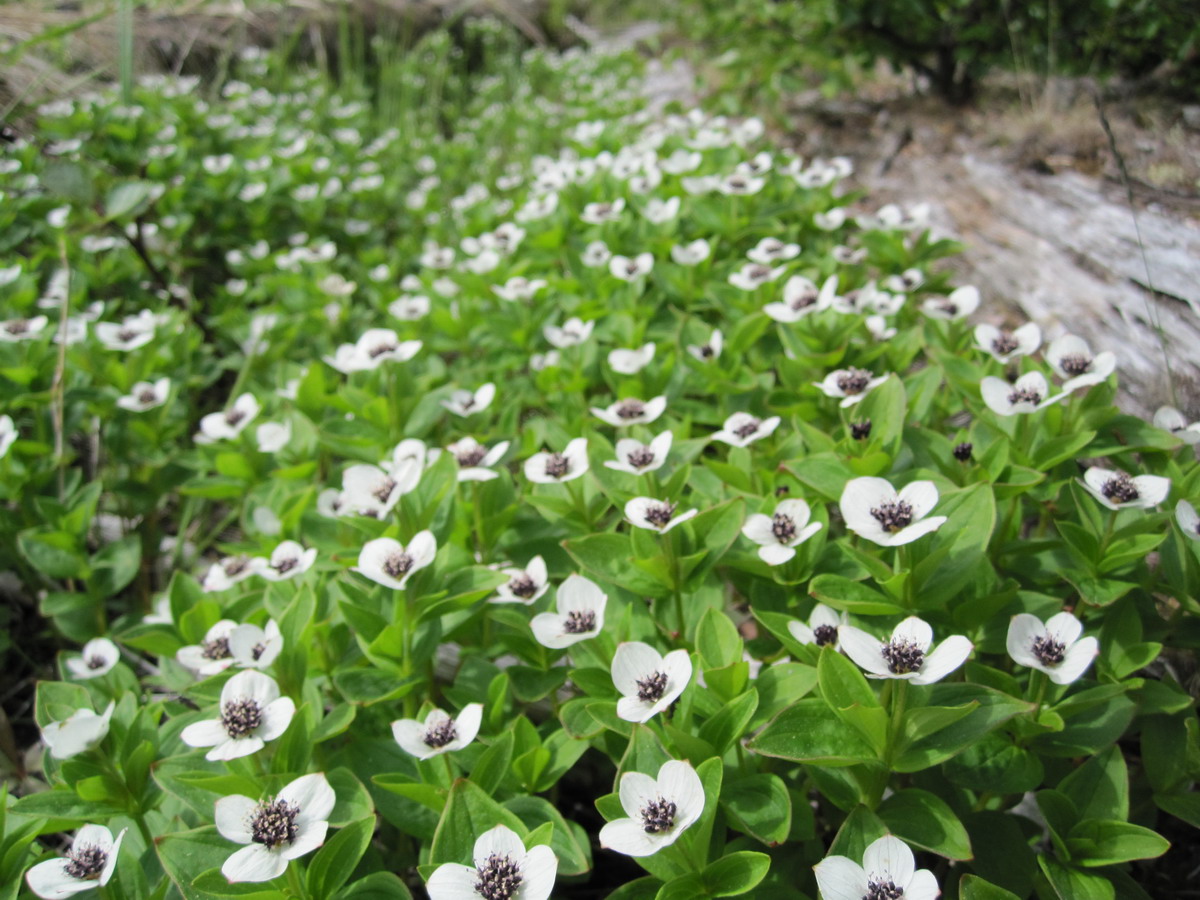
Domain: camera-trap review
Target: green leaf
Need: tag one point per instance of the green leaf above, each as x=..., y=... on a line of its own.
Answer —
x=491, y=767
x=606, y=556
x=568, y=839
x=1100, y=787
x=646, y=888
x=811, y=732
x=685, y=887
x=717, y=639
x=469, y=813
x=995, y=708
x=845, y=689
x=972, y=887
x=995, y=764
x=725, y=728
x=116, y=565
x=335, y=861
x=1107, y=842
x=377, y=886
x=736, y=873
x=852, y=596
x=127, y=197
x=1069, y=883
x=760, y=806
x=925, y=820
x=53, y=553
x=63, y=803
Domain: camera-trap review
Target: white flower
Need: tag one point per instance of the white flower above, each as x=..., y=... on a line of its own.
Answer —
x=212, y=655
x=770, y=250
x=475, y=460
x=630, y=362
x=821, y=628
x=287, y=560
x=906, y=282
x=1054, y=648
x=538, y=207
x=1028, y=394
x=658, y=810
x=524, y=585
x=851, y=385
x=599, y=213
x=648, y=682
x=595, y=255
x=223, y=575
x=660, y=211
x=742, y=429
x=781, y=532
x=437, y=257
x=388, y=562
x=752, y=276
x=874, y=510
x=97, y=658
x=681, y=161
x=1188, y=519
x=228, y=425
x=409, y=308
x=252, y=713
x=961, y=303
x=133, y=332
x=439, y=733
x=888, y=870
x=273, y=436
x=631, y=411
x=144, y=395
x=572, y=332
x=879, y=328
x=629, y=268
x=906, y=654
x=1166, y=417
x=503, y=868
x=655, y=515
x=80, y=731
x=465, y=403
x=485, y=262
x=1071, y=359
x=552, y=468
x=256, y=648
x=539, y=361
x=691, y=254
x=739, y=185
x=830, y=219
x=22, y=329
x=8, y=434
x=848, y=256
x=371, y=491
x=801, y=298
x=710, y=351
x=580, y=614
x=1006, y=346
x=275, y=830
x=518, y=288
x=379, y=345
x=1119, y=490
x=637, y=458
x=88, y=864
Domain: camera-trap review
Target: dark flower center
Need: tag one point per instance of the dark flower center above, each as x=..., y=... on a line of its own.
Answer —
x=233, y=417
x=902, y=656
x=660, y=514
x=825, y=634
x=737, y=183
x=1025, y=395
x=950, y=309
x=893, y=515
x=286, y=565
x=804, y=300
x=783, y=527
x=758, y=272
x=631, y=267
x=257, y=651
x=217, y=648
x=274, y=823
x=499, y=878
x=1048, y=650
x=1075, y=364
x=962, y=452
x=860, y=431
x=380, y=349
x=557, y=465
x=522, y=586
x=96, y=661
x=235, y=566
x=579, y=621
x=658, y=816
x=466, y=402
x=441, y=734
x=706, y=352
x=384, y=490
x=86, y=862
x=240, y=717
x=17, y=326
x=398, y=564
x=883, y=890
x=1004, y=344
x=652, y=687
x=853, y=381
x=147, y=397
x=1120, y=489
x=127, y=334
x=771, y=246
x=747, y=429
x=471, y=457
x=630, y=409
x=641, y=457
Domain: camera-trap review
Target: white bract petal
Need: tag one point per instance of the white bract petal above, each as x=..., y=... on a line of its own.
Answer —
x=658, y=809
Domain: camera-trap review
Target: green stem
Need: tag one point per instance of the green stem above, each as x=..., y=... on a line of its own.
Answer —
x=1038, y=683
x=294, y=883
x=899, y=701
x=677, y=594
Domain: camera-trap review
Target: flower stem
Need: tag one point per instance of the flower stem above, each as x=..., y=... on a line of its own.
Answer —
x=899, y=702
x=294, y=884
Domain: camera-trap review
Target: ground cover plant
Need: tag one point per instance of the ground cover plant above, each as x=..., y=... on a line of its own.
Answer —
x=546, y=493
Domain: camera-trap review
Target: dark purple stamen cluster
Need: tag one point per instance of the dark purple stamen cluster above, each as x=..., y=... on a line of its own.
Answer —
x=1075, y=364
x=1024, y=395
x=652, y=687
x=1048, y=650
x=893, y=515
x=860, y=431
x=1004, y=344
x=1120, y=489
x=853, y=381
x=579, y=622
x=85, y=862
x=441, y=734
x=274, y=823
x=499, y=878
x=217, y=648
x=522, y=586
x=240, y=717
x=825, y=634
x=658, y=816
x=883, y=890
x=398, y=565
x=749, y=428
x=902, y=656
x=783, y=527
x=659, y=515
x=557, y=465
